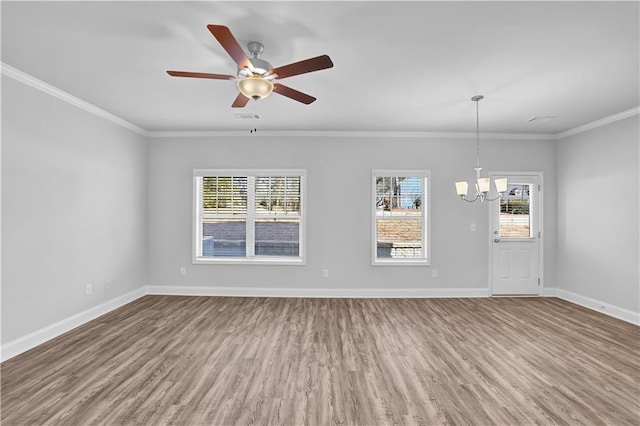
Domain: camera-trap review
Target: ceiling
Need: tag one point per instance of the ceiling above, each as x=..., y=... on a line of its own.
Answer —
x=399, y=66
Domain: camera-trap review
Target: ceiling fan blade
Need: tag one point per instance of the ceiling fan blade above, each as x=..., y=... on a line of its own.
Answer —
x=293, y=94
x=200, y=75
x=241, y=101
x=230, y=44
x=302, y=67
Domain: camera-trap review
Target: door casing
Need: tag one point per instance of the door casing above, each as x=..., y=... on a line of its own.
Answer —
x=540, y=207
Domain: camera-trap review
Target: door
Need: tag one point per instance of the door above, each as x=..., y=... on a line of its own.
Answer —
x=516, y=237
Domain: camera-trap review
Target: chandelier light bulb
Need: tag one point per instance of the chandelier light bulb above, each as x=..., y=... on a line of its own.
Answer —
x=484, y=184
x=501, y=185
x=461, y=188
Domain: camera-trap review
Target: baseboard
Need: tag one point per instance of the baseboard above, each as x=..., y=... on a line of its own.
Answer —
x=319, y=292
x=596, y=305
x=31, y=340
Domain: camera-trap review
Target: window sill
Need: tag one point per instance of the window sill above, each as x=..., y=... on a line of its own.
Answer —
x=249, y=261
x=400, y=262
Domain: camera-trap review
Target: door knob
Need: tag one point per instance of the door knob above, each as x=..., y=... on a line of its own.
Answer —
x=497, y=240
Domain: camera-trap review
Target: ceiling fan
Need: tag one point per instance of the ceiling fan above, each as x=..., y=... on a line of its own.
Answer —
x=256, y=77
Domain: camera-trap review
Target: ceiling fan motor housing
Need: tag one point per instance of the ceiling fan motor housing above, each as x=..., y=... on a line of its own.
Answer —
x=260, y=66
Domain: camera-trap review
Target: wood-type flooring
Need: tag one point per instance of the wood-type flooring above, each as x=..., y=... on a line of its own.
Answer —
x=181, y=360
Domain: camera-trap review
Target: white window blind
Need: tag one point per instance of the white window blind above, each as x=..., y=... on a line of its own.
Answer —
x=277, y=215
x=248, y=216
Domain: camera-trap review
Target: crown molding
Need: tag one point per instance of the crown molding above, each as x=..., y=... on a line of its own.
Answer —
x=348, y=134
x=599, y=123
x=29, y=80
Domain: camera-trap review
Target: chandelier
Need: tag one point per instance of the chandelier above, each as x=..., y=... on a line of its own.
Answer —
x=483, y=184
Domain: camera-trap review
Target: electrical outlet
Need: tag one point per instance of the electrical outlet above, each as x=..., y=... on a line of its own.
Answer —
x=183, y=271
x=434, y=273
x=88, y=289
x=325, y=273
x=473, y=227
x=107, y=284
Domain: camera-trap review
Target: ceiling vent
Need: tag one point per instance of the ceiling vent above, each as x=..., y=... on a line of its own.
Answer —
x=542, y=119
x=246, y=116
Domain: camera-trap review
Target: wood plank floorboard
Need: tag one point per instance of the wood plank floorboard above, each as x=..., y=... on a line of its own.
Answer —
x=174, y=360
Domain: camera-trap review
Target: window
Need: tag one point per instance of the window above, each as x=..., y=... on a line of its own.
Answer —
x=400, y=217
x=249, y=216
x=515, y=218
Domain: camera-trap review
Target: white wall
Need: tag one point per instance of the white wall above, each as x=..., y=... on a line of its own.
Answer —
x=73, y=210
x=598, y=234
x=338, y=203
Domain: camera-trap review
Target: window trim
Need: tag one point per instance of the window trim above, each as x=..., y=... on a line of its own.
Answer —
x=256, y=260
x=426, y=217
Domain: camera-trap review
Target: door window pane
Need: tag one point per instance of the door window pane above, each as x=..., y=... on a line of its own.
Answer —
x=515, y=219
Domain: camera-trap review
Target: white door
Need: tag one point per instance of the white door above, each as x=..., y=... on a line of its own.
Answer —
x=516, y=236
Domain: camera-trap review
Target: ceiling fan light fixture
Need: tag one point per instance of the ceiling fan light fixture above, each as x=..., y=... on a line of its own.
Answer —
x=255, y=87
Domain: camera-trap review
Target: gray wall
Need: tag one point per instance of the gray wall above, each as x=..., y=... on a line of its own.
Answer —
x=84, y=201
x=338, y=208
x=598, y=235
x=73, y=210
